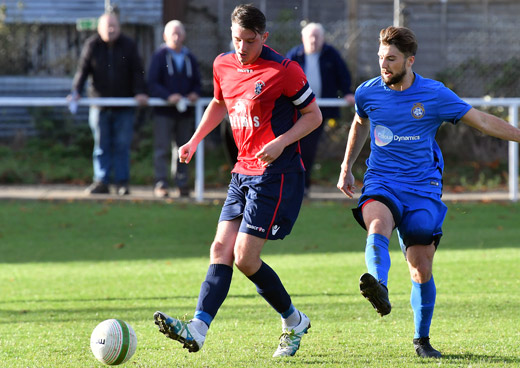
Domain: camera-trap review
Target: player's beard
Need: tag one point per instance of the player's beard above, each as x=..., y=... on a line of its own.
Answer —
x=396, y=77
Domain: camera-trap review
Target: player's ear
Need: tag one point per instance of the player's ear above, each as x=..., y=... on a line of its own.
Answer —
x=264, y=36
x=411, y=60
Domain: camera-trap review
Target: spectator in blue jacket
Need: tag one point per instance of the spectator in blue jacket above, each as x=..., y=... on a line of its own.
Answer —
x=328, y=76
x=173, y=76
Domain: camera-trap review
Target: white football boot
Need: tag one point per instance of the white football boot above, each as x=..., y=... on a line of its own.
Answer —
x=181, y=331
x=290, y=339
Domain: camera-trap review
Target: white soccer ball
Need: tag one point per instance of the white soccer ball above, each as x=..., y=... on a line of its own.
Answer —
x=113, y=342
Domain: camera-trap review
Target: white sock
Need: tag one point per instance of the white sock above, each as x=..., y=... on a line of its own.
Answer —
x=292, y=321
x=200, y=326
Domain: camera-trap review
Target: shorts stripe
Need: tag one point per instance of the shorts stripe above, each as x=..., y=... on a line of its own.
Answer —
x=277, y=206
x=367, y=202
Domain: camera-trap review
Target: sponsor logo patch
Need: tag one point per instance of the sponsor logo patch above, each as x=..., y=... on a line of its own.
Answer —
x=384, y=136
x=257, y=228
x=275, y=229
x=244, y=114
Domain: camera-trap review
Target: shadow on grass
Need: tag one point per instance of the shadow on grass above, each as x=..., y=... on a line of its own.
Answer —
x=33, y=231
x=168, y=297
x=469, y=358
x=178, y=306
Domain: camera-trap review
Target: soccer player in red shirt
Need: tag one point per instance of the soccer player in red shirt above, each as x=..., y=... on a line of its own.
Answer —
x=263, y=93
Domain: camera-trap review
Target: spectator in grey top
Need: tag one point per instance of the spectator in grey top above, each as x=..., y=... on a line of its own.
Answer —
x=173, y=76
x=328, y=77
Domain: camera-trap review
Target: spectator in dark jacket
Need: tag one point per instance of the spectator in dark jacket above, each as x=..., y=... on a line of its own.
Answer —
x=328, y=77
x=112, y=61
x=173, y=76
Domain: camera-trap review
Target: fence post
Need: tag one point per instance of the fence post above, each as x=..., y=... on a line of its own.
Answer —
x=199, y=162
x=512, y=103
x=513, y=156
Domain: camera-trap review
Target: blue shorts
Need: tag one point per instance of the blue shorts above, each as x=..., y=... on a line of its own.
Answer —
x=268, y=204
x=418, y=215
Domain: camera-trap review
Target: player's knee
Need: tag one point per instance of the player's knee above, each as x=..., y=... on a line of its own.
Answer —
x=221, y=253
x=380, y=226
x=246, y=263
x=420, y=261
x=421, y=273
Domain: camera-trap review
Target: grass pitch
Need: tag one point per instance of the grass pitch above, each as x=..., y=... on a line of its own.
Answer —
x=65, y=267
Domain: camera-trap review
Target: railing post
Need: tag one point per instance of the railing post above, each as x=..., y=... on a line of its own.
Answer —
x=512, y=103
x=513, y=156
x=199, y=155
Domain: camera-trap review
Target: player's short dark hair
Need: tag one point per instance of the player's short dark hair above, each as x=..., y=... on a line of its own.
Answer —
x=401, y=37
x=249, y=17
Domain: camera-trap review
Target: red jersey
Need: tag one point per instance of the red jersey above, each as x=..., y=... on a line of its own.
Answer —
x=262, y=99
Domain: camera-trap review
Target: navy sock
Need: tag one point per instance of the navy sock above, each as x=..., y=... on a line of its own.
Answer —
x=269, y=286
x=213, y=292
x=377, y=257
x=422, y=299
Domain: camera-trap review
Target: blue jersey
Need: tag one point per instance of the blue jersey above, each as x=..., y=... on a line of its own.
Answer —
x=403, y=125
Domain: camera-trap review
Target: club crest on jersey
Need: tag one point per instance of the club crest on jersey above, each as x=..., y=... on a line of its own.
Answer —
x=258, y=87
x=418, y=110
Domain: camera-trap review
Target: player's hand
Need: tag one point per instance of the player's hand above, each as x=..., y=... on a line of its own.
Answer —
x=270, y=152
x=346, y=183
x=186, y=152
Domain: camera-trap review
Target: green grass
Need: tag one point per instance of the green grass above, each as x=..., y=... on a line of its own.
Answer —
x=65, y=267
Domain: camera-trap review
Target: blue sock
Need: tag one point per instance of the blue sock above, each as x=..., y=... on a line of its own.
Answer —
x=269, y=286
x=422, y=300
x=377, y=257
x=288, y=312
x=213, y=292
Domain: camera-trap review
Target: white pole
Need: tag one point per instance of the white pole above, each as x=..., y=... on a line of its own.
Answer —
x=513, y=103
x=263, y=6
x=305, y=9
x=513, y=157
x=397, y=13
x=199, y=155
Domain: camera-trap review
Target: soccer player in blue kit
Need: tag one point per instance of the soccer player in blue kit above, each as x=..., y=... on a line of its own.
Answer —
x=402, y=186
x=263, y=92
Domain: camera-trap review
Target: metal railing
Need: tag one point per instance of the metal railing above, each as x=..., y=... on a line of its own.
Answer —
x=513, y=105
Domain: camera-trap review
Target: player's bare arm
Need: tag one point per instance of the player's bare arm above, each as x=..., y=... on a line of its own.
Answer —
x=309, y=120
x=491, y=125
x=213, y=115
x=356, y=140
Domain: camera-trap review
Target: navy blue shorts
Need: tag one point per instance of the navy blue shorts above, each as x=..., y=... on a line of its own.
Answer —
x=418, y=215
x=268, y=204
